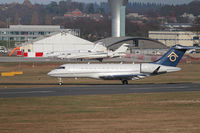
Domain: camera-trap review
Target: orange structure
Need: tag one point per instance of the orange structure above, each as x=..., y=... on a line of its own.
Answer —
x=17, y=48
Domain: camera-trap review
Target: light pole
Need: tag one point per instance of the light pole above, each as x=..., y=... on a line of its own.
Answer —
x=8, y=33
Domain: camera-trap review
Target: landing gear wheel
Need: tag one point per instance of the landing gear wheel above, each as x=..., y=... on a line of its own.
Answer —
x=124, y=82
x=60, y=81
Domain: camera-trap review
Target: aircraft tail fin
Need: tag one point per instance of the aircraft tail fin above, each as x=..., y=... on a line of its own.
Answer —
x=122, y=49
x=99, y=47
x=173, y=56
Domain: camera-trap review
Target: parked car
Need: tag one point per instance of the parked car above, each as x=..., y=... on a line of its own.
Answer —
x=3, y=50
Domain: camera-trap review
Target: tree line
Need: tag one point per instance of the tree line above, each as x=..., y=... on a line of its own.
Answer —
x=37, y=14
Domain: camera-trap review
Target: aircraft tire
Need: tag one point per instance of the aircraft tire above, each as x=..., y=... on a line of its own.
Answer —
x=60, y=83
x=124, y=82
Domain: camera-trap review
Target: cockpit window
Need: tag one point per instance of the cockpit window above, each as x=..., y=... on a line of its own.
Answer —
x=60, y=67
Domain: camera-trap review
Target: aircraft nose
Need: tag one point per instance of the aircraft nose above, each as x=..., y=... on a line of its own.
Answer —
x=51, y=73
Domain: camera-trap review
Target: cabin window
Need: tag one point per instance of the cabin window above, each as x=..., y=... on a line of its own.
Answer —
x=60, y=67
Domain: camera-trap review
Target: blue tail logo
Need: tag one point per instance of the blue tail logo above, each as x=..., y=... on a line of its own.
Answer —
x=173, y=57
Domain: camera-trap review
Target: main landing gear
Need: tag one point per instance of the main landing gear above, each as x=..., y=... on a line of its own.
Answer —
x=124, y=82
x=60, y=82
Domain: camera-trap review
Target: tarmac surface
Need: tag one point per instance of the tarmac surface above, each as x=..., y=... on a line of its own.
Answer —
x=6, y=59
x=68, y=90
x=23, y=59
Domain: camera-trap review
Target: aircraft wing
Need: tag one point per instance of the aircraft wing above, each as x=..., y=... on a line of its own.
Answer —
x=125, y=76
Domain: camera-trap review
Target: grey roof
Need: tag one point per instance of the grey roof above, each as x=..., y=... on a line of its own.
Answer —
x=111, y=41
x=39, y=27
x=36, y=28
x=42, y=37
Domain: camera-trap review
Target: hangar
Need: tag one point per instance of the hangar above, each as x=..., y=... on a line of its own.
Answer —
x=138, y=45
x=136, y=42
x=56, y=42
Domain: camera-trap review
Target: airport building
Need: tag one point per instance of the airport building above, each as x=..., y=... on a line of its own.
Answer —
x=23, y=33
x=55, y=43
x=170, y=38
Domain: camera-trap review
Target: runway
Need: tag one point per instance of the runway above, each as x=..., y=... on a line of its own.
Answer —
x=98, y=90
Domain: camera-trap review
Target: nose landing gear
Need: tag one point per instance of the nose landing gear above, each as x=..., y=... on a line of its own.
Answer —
x=60, y=81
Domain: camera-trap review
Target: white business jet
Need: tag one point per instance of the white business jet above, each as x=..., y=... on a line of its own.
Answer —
x=99, y=47
x=124, y=72
x=99, y=53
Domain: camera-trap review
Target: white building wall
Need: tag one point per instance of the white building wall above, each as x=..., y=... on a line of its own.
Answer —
x=58, y=43
x=27, y=48
x=170, y=38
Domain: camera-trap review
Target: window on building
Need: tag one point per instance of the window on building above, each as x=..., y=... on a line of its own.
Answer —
x=30, y=33
x=16, y=33
x=17, y=38
x=41, y=33
x=24, y=33
x=35, y=33
x=46, y=33
x=30, y=38
x=22, y=38
x=4, y=38
x=12, y=38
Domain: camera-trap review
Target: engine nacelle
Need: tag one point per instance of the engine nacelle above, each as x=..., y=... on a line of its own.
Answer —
x=157, y=69
x=148, y=68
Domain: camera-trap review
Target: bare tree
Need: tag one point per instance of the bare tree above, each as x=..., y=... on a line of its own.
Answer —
x=16, y=19
x=35, y=18
x=48, y=19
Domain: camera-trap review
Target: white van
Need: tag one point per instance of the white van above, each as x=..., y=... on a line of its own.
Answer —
x=3, y=50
